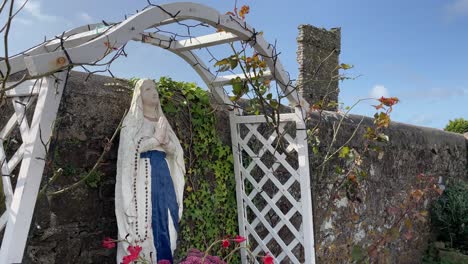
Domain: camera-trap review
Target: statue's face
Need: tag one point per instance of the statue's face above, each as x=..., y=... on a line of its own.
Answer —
x=149, y=95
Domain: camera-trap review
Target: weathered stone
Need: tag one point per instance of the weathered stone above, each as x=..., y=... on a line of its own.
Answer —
x=349, y=220
x=318, y=57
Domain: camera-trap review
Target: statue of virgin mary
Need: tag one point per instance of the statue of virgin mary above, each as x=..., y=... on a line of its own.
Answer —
x=150, y=179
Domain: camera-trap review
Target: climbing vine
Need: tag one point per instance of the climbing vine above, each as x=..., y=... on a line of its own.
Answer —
x=209, y=200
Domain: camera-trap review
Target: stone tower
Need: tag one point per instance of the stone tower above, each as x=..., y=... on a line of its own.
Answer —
x=318, y=57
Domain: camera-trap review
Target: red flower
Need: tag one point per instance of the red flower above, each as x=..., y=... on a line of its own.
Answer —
x=388, y=101
x=226, y=243
x=134, y=253
x=108, y=243
x=267, y=259
x=239, y=239
x=164, y=261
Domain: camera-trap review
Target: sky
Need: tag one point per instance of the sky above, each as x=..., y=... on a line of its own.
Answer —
x=414, y=50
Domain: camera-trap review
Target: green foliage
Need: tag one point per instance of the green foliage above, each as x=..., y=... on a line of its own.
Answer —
x=210, y=208
x=459, y=125
x=93, y=179
x=449, y=216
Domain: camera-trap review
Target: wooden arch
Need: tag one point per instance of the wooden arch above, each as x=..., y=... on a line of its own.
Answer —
x=91, y=43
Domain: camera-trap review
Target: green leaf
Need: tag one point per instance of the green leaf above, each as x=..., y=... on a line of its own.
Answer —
x=357, y=253
x=222, y=62
x=344, y=152
x=233, y=63
x=223, y=65
x=345, y=66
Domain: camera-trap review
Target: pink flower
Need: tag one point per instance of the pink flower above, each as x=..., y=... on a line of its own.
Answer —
x=226, y=243
x=239, y=239
x=267, y=259
x=164, y=261
x=134, y=253
x=108, y=243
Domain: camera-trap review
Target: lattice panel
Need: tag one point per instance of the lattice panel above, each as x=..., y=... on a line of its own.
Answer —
x=272, y=178
x=24, y=140
x=13, y=137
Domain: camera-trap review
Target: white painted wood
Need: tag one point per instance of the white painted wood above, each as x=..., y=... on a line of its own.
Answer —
x=20, y=106
x=205, y=41
x=298, y=144
x=27, y=88
x=32, y=166
x=3, y=220
x=265, y=223
x=226, y=79
x=16, y=158
x=306, y=193
x=6, y=174
x=17, y=62
x=272, y=204
x=10, y=125
x=285, y=193
x=241, y=211
x=261, y=119
x=8, y=128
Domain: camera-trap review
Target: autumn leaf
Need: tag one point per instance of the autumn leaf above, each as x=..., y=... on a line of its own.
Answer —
x=352, y=178
x=245, y=9
x=417, y=194
x=382, y=119
x=390, y=101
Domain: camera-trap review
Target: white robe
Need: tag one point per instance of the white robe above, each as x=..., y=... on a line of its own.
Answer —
x=135, y=126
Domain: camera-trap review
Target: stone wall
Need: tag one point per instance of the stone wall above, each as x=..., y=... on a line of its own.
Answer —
x=347, y=219
x=318, y=56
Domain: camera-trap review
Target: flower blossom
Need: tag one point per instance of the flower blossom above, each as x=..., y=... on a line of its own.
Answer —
x=134, y=253
x=225, y=243
x=239, y=239
x=267, y=259
x=108, y=243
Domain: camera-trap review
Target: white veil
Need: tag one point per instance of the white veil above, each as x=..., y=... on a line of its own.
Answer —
x=129, y=136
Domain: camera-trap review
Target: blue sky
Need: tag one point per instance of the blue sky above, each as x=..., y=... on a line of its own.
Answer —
x=415, y=50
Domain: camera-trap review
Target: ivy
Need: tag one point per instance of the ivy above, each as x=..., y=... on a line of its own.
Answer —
x=210, y=208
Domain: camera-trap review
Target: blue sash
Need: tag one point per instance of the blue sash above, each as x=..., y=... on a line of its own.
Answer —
x=163, y=198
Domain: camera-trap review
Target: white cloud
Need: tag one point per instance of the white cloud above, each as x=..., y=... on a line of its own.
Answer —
x=85, y=17
x=378, y=91
x=457, y=8
x=34, y=9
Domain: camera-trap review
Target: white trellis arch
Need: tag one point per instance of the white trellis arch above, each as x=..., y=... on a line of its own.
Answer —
x=91, y=43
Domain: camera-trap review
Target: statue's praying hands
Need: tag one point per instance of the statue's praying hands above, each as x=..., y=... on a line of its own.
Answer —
x=161, y=133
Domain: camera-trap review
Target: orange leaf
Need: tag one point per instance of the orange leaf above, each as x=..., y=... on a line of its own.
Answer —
x=389, y=101
x=245, y=9
x=417, y=194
